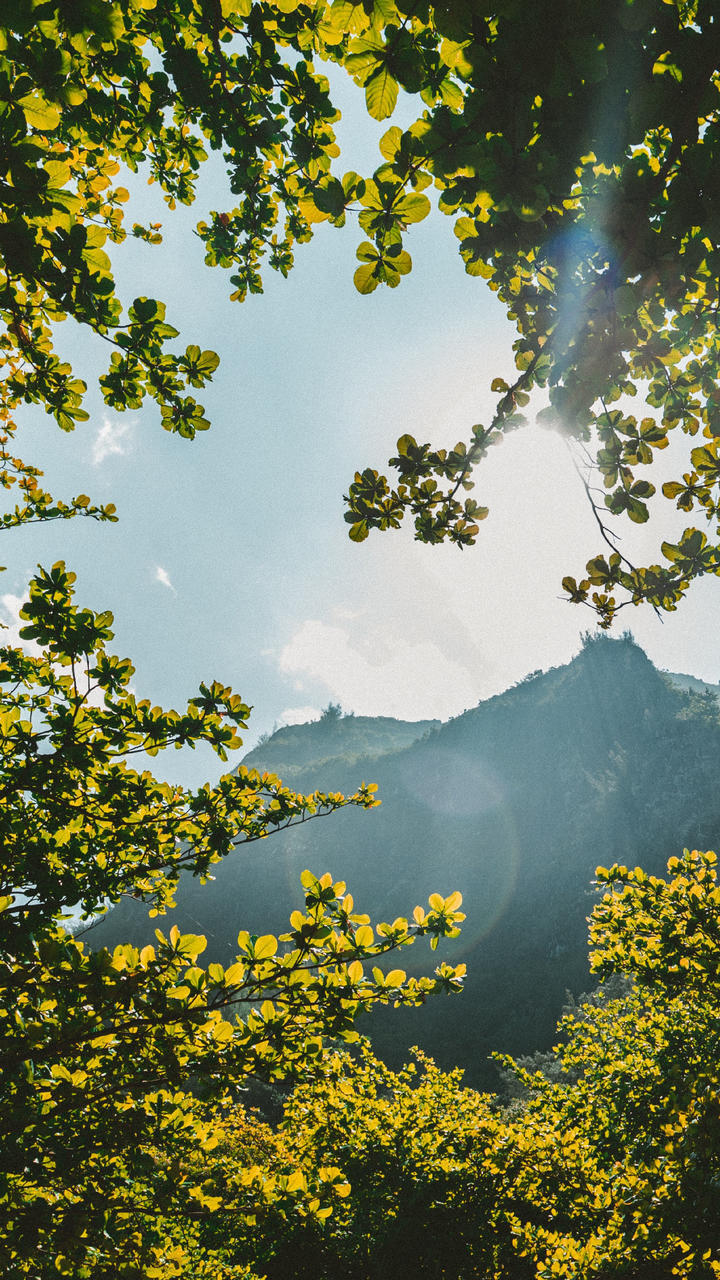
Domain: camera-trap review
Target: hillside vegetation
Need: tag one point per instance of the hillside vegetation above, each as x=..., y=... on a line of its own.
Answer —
x=515, y=803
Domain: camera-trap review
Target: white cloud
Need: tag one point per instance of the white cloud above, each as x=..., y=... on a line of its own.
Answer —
x=376, y=670
x=10, y=606
x=299, y=715
x=163, y=577
x=113, y=437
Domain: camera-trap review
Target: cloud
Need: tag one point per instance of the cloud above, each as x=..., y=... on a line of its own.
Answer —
x=374, y=669
x=111, y=438
x=163, y=577
x=11, y=621
x=298, y=715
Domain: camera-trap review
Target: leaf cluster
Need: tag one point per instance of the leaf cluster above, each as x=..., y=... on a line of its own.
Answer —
x=577, y=175
x=610, y=1167
x=115, y=1064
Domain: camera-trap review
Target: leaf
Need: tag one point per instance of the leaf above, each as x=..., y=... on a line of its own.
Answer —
x=395, y=978
x=366, y=281
x=191, y=945
x=265, y=947
x=364, y=936
x=390, y=142
x=406, y=444
x=626, y=300
x=39, y=113
x=222, y=1031
x=413, y=208
x=381, y=92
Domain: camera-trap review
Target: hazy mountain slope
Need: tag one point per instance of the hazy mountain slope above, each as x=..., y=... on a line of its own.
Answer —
x=692, y=684
x=318, y=746
x=514, y=803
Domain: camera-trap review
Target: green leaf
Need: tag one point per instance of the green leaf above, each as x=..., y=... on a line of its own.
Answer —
x=366, y=280
x=39, y=113
x=390, y=142
x=381, y=92
x=265, y=947
x=406, y=444
x=413, y=208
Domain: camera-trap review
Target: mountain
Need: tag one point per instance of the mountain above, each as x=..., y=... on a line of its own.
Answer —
x=333, y=740
x=692, y=684
x=514, y=803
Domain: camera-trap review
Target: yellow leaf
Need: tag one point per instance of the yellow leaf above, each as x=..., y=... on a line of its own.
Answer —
x=222, y=1031
x=39, y=113
x=265, y=947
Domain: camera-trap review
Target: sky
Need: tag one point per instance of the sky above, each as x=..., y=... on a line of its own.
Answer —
x=231, y=558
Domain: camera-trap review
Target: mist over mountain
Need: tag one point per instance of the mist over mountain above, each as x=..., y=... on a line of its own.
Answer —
x=692, y=684
x=514, y=803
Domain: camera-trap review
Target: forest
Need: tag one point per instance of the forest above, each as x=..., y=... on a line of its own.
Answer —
x=572, y=147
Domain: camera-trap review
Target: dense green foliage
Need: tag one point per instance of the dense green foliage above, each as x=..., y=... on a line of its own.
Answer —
x=576, y=166
x=114, y=1063
x=576, y=149
x=612, y=1168
x=518, y=801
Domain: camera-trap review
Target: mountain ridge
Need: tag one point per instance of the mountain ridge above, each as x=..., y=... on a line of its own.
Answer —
x=515, y=802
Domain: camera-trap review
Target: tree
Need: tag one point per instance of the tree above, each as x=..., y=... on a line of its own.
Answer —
x=581, y=172
x=575, y=158
x=610, y=1168
x=112, y=1064
x=577, y=166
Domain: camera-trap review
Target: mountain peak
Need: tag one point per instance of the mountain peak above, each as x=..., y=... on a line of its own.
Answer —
x=515, y=803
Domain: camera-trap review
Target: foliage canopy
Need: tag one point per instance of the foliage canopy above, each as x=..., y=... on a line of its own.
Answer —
x=112, y=1063
x=580, y=171
x=575, y=154
x=609, y=1166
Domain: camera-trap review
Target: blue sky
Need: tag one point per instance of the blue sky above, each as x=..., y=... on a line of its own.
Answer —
x=231, y=558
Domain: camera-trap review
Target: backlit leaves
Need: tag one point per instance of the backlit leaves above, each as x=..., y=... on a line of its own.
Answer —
x=608, y=1159
x=115, y=1066
x=381, y=91
x=599, y=237
x=604, y=257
